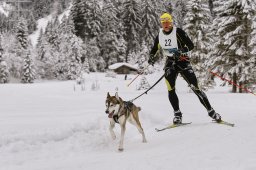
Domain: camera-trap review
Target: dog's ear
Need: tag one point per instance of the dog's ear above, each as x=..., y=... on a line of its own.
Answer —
x=108, y=95
x=118, y=98
x=116, y=95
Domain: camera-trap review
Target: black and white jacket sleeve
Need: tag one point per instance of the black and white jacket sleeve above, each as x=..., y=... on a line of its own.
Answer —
x=184, y=42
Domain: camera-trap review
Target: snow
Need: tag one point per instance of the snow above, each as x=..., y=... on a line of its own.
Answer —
x=3, y=7
x=117, y=65
x=42, y=23
x=49, y=126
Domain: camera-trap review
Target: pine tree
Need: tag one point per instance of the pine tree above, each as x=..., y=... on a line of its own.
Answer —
x=110, y=16
x=19, y=48
x=142, y=57
x=143, y=85
x=96, y=61
x=74, y=57
x=179, y=13
x=22, y=33
x=197, y=23
x=28, y=71
x=121, y=48
x=77, y=12
x=57, y=7
x=217, y=7
x=86, y=67
x=250, y=66
x=150, y=23
x=47, y=58
x=159, y=6
x=52, y=33
x=70, y=55
x=218, y=48
x=132, y=57
x=4, y=72
x=211, y=6
x=93, y=19
x=109, y=48
x=169, y=7
x=87, y=17
x=14, y=51
x=132, y=25
x=67, y=25
x=235, y=27
x=118, y=30
x=253, y=37
x=109, y=36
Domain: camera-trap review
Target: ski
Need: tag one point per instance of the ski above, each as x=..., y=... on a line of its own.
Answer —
x=172, y=126
x=224, y=123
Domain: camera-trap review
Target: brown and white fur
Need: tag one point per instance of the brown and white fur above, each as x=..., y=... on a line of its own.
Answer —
x=115, y=106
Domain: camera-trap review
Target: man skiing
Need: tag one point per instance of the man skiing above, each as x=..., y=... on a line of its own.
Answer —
x=175, y=44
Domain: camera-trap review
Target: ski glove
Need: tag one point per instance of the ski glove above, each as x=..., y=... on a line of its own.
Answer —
x=175, y=51
x=151, y=60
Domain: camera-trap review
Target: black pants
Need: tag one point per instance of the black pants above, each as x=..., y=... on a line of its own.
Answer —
x=172, y=69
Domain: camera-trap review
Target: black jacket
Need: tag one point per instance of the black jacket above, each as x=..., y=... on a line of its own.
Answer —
x=184, y=42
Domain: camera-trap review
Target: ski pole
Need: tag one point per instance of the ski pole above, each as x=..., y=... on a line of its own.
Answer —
x=141, y=72
x=133, y=80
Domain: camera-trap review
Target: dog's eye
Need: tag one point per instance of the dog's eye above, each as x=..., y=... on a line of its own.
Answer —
x=112, y=105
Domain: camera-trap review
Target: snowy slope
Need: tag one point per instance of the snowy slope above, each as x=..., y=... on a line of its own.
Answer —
x=49, y=126
x=4, y=8
x=42, y=23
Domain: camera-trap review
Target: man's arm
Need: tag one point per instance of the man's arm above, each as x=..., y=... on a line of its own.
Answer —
x=184, y=42
x=152, y=54
x=155, y=47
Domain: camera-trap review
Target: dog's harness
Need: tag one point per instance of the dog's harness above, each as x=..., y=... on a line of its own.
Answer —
x=127, y=105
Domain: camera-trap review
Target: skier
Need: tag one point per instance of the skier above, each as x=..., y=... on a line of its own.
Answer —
x=175, y=45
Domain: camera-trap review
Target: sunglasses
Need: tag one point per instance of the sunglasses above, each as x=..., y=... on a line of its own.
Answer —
x=162, y=20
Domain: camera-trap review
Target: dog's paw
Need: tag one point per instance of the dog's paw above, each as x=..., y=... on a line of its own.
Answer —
x=144, y=141
x=120, y=149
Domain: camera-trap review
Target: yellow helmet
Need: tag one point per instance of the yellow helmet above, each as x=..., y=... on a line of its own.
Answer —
x=166, y=17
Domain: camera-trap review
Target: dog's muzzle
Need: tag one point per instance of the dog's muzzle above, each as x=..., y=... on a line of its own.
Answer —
x=110, y=115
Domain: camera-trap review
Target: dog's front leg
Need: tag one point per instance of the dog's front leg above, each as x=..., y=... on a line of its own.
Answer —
x=111, y=127
x=122, y=124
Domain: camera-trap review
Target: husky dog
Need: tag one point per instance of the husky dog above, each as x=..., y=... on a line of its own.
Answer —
x=120, y=111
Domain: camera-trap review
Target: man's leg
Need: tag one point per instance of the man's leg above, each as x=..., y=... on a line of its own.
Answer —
x=191, y=79
x=170, y=79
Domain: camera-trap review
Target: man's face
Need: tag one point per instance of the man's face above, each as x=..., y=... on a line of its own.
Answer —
x=166, y=25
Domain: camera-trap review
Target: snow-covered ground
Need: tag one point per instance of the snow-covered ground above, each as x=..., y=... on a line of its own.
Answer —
x=49, y=126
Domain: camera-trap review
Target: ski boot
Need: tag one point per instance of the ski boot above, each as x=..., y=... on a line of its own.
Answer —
x=177, y=117
x=214, y=115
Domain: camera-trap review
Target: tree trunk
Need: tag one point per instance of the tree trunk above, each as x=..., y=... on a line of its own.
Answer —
x=240, y=89
x=211, y=7
x=234, y=88
x=240, y=83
